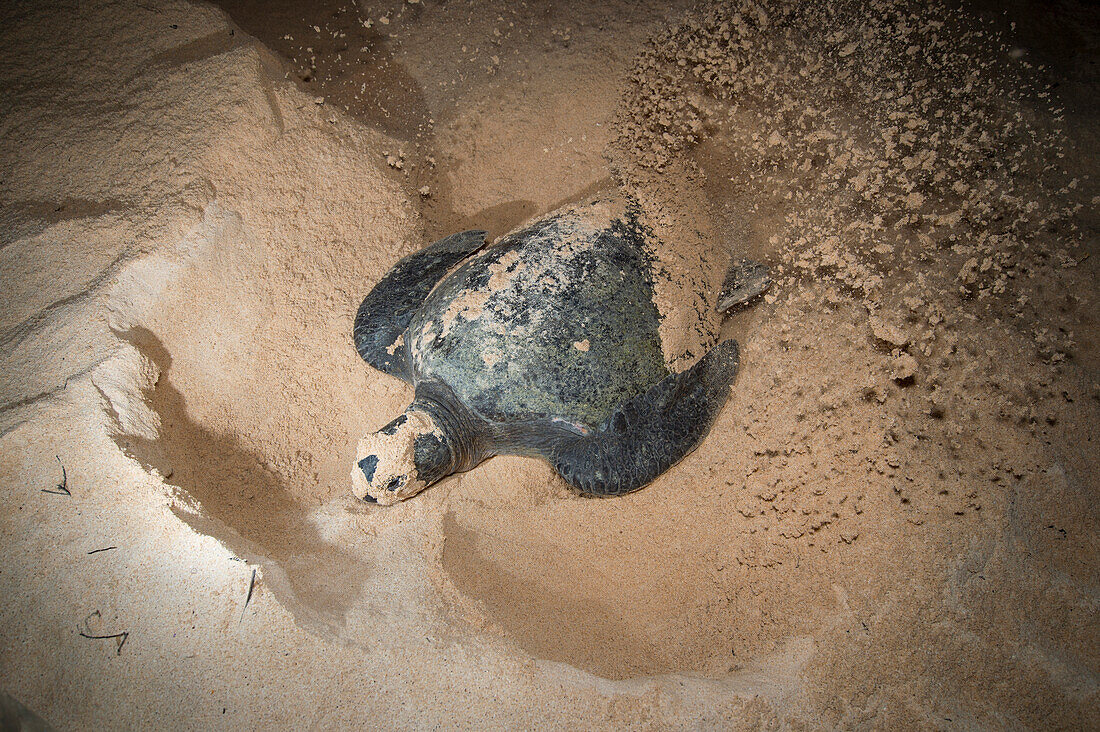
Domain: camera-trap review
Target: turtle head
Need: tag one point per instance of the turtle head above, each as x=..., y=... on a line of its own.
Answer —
x=401, y=459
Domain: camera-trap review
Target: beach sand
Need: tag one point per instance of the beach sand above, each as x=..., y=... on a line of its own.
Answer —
x=893, y=523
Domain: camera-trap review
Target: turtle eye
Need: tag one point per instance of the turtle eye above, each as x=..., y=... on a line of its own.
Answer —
x=395, y=483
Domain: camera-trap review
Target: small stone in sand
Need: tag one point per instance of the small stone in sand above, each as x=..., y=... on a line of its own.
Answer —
x=903, y=367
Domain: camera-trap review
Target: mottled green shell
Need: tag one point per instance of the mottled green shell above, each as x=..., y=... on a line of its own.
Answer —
x=556, y=321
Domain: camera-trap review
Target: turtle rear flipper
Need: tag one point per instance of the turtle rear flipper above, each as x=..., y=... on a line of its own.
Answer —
x=648, y=434
x=745, y=280
x=390, y=306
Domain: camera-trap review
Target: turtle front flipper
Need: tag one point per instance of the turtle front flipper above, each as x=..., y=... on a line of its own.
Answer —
x=650, y=433
x=387, y=310
x=745, y=279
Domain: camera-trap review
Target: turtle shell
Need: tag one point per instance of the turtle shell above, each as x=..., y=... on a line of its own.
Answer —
x=553, y=322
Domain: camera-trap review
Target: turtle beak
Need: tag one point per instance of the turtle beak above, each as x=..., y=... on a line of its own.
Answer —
x=374, y=481
x=386, y=470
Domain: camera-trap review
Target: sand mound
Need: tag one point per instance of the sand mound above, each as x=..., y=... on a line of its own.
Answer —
x=259, y=248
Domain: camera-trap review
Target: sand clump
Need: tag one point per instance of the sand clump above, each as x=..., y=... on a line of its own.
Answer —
x=892, y=524
x=904, y=173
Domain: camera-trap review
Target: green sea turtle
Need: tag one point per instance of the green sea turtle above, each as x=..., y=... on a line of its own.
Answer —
x=544, y=344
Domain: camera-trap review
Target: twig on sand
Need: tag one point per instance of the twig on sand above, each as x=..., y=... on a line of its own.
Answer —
x=104, y=549
x=62, y=488
x=251, y=588
x=119, y=638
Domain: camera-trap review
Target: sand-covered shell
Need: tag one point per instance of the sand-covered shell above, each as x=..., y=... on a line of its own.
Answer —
x=556, y=321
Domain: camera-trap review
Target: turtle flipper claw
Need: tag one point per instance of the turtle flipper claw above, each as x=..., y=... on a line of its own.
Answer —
x=745, y=279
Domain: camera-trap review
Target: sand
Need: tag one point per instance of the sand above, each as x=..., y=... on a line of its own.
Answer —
x=893, y=523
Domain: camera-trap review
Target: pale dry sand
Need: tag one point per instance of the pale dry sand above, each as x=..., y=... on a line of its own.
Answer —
x=892, y=525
